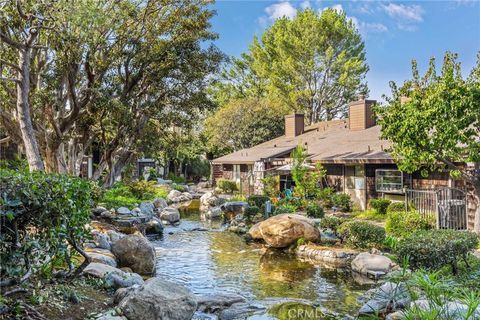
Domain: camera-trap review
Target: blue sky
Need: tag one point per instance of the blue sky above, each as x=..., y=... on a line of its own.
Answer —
x=395, y=32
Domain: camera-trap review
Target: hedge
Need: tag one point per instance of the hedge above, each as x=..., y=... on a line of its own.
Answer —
x=401, y=224
x=434, y=249
x=379, y=205
x=227, y=186
x=361, y=234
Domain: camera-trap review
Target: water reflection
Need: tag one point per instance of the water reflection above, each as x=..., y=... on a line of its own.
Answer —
x=209, y=261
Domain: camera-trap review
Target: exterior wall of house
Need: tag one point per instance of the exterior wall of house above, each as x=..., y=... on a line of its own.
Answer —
x=335, y=176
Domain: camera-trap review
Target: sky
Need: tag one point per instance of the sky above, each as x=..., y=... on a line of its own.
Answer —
x=395, y=32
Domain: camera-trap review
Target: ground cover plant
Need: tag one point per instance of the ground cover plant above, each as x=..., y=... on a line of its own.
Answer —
x=130, y=194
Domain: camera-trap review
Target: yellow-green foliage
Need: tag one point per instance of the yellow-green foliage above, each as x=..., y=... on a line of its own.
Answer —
x=402, y=224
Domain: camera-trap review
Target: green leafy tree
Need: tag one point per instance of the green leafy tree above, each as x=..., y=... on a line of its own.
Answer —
x=244, y=123
x=314, y=62
x=433, y=122
x=306, y=178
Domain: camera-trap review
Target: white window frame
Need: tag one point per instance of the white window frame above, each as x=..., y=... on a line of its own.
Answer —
x=380, y=185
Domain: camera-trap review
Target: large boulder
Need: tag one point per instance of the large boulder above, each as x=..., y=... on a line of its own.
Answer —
x=284, y=229
x=160, y=203
x=173, y=195
x=136, y=252
x=170, y=215
x=154, y=226
x=254, y=232
x=388, y=297
x=159, y=299
x=123, y=211
x=120, y=279
x=214, y=212
x=209, y=199
x=177, y=196
x=101, y=256
x=101, y=240
x=373, y=265
x=215, y=302
x=147, y=208
x=237, y=207
x=99, y=270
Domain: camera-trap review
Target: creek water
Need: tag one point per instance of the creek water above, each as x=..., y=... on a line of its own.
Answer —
x=206, y=259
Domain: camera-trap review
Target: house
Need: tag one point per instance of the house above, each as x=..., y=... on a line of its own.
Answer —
x=356, y=159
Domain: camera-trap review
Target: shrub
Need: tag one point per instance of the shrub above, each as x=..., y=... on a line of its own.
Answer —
x=178, y=187
x=401, y=224
x=314, y=210
x=43, y=219
x=361, y=234
x=396, y=207
x=433, y=249
x=287, y=208
x=325, y=195
x=176, y=179
x=227, y=186
x=258, y=200
x=342, y=201
x=142, y=190
x=238, y=197
x=379, y=205
x=251, y=212
x=331, y=223
x=271, y=185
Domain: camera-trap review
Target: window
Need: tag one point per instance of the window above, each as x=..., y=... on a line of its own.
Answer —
x=355, y=177
x=389, y=181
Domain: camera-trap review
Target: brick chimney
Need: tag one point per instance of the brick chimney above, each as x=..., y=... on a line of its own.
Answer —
x=294, y=124
x=360, y=114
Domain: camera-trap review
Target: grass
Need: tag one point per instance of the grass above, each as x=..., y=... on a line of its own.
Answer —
x=369, y=215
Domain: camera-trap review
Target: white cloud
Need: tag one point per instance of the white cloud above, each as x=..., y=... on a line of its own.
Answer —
x=374, y=27
x=337, y=7
x=305, y=4
x=279, y=10
x=409, y=13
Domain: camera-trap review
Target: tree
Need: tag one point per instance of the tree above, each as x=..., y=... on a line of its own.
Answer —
x=103, y=70
x=237, y=81
x=314, y=62
x=434, y=123
x=306, y=178
x=244, y=123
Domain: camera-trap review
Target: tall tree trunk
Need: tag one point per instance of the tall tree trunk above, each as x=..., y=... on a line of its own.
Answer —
x=116, y=169
x=32, y=150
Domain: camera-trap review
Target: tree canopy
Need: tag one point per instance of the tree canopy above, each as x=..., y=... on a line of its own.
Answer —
x=101, y=72
x=434, y=122
x=243, y=123
x=315, y=63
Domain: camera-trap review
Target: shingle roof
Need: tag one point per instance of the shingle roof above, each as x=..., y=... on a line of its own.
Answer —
x=328, y=142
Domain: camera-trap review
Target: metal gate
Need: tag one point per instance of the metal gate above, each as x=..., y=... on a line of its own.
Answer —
x=447, y=205
x=451, y=209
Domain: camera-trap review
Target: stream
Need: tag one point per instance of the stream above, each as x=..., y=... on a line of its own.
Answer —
x=206, y=259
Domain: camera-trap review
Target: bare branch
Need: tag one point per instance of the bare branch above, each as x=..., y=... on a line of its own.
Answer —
x=9, y=79
x=11, y=42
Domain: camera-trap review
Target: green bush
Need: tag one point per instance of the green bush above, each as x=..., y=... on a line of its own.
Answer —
x=257, y=200
x=379, y=205
x=142, y=189
x=342, y=201
x=314, y=210
x=331, y=223
x=238, y=197
x=396, y=207
x=325, y=195
x=287, y=208
x=227, y=186
x=178, y=187
x=271, y=185
x=176, y=179
x=401, y=224
x=131, y=194
x=43, y=220
x=433, y=249
x=361, y=234
x=251, y=212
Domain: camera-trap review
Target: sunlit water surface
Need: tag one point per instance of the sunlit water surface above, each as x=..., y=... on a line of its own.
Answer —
x=219, y=261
